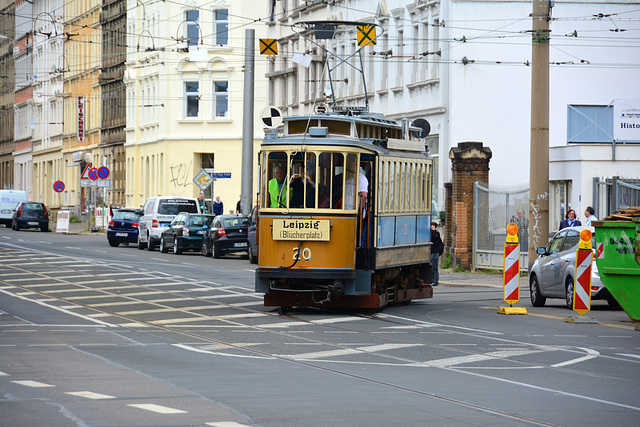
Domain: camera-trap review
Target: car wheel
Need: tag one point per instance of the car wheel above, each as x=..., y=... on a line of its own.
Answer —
x=17, y=227
x=252, y=258
x=113, y=243
x=141, y=244
x=176, y=249
x=150, y=245
x=215, y=253
x=537, y=300
x=569, y=294
x=205, y=251
x=163, y=247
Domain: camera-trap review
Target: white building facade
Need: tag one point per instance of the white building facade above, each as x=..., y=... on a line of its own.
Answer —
x=465, y=67
x=184, y=84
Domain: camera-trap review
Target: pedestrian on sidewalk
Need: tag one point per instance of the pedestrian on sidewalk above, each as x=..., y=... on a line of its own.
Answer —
x=218, y=207
x=437, y=248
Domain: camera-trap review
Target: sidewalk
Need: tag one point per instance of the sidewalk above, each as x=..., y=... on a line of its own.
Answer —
x=78, y=228
x=470, y=279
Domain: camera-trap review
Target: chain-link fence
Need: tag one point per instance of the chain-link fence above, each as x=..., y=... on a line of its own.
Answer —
x=494, y=210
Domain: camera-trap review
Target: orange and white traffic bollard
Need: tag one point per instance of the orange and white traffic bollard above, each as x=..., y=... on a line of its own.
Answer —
x=511, y=272
x=582, y=280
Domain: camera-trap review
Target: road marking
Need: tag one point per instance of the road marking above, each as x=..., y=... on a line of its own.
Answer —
x=226, y=424
x=459, y=360
x=336, y=320
x=157, y=408
x=637, y=356
x=30, y=383
x=347, y=351
x=2, y=374
x=90, y=395
x=592, y=354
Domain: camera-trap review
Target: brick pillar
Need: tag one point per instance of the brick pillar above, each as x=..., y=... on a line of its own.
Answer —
x=447, y=230
x=469, y=163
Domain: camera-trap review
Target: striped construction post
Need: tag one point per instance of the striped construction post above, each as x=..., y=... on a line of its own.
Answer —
x=511, y=273
x=582, y=281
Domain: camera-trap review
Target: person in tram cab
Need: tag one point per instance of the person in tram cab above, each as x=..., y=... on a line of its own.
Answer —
x=299, y=185
x=279, y=190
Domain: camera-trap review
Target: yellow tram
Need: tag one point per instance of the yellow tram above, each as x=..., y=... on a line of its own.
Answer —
x=344, y=212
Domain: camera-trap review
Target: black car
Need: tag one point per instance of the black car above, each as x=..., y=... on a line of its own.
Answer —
x=228, y=233
x=251, y=236
x=123, y=227
x=30, y=215
x=185, y=233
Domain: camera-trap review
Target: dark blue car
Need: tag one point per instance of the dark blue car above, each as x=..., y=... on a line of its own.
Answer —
x=123, y=227
x=185, y=233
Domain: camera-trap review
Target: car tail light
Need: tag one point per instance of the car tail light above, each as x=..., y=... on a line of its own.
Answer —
x=111, y=223
x=154, y=224
x=135, y=224
x=594, y=288
x=222, y=232
x=46, y=213
x=185, y=231
x=20, y=210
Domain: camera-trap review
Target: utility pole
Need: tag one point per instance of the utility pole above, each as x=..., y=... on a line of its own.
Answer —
x=539, y=152
x=247, y=130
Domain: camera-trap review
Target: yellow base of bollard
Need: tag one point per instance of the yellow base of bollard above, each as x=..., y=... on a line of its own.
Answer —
x=512, y=310
x=581, y=319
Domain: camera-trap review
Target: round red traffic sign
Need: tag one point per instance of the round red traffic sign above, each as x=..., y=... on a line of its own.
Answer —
x=58, y=186
x=103, y=172
x=93, y=174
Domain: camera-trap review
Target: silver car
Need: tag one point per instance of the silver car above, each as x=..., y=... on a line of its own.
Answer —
x=553, y=272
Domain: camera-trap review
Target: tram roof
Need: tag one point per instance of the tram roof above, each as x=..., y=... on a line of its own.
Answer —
x=359, y=119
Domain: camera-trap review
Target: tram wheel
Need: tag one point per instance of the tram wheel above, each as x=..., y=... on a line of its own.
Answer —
x=284, y=310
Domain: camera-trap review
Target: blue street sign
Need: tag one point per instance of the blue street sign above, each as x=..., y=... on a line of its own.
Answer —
x=222, y=174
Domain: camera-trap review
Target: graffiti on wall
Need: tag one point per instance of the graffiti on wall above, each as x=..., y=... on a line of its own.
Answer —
x=536, y=231
x=181, y=175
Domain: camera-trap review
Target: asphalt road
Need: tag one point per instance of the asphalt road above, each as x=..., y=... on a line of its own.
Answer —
x=97, y=336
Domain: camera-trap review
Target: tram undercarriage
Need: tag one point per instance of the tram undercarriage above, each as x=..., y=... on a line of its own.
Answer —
x=366, y=290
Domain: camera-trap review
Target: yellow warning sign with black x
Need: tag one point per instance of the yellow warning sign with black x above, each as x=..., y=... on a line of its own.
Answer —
x=366, y=35
x=268, y=46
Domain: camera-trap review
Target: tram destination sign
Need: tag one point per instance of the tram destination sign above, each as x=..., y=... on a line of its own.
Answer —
x=302, y=229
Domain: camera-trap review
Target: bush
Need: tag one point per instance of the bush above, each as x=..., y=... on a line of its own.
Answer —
x=74, y=220
x=446, y=260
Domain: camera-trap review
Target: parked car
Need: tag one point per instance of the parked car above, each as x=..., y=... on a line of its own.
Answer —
x=228, y=233
x=9, y=199
x=30, y=215
x=158, y=213
x=252, y=231
x=185, y=233
x=553, y=272
x=123, y=227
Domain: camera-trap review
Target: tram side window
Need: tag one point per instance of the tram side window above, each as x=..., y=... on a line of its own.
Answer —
x=278, y=190
x=330, y=180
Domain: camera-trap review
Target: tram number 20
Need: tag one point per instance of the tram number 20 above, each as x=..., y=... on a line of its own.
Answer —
x=305, y=254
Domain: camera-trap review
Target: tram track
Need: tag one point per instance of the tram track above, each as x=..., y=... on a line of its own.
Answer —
x=396, y=320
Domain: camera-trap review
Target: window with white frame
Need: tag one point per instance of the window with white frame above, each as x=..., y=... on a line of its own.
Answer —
x=220, y=99
x=589, y=123
x=221, y=27
x=192, y=99
x=192, y=18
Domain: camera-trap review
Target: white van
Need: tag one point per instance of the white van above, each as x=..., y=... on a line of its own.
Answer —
x=9, y=199
x=157, y=215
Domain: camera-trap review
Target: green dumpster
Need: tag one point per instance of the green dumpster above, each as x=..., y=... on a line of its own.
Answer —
x=618, y=258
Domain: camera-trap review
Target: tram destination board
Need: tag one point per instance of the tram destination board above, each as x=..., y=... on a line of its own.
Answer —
x=302, y=229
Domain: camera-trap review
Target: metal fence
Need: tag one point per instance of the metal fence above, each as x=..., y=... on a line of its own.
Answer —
x=615, y=193
x=493, y=210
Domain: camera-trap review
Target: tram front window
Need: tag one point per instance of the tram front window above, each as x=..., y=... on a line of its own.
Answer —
x=307, y=180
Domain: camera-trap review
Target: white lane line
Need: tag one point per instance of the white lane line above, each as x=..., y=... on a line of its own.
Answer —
x=452, y=361
x=592, y=354
x=30, y=383
x=346, y=351
x=226, y=424
x=637, y=356
x=62, y=310
x=204, y=318
x=336, y=320
x=90, y=395
x=2, y=374
x=157, y=408
x=282, y=324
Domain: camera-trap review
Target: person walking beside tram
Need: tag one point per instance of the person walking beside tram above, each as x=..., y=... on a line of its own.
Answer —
x=437, y=248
